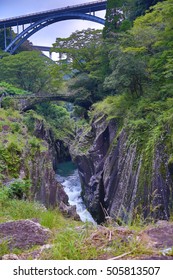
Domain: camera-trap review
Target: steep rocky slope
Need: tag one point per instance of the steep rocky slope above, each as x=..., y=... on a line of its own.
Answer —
x=117, y=180
x=25, y=157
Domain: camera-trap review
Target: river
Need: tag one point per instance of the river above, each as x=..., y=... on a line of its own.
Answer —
x=68, y=176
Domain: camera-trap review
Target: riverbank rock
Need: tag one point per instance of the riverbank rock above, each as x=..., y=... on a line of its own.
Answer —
x=69, y=211
x=23, y=234
x=160, y=236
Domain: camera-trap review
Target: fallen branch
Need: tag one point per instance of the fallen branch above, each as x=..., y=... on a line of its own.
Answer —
x=120, y=256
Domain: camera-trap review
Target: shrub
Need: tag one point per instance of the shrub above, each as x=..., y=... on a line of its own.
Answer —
x=19, y=189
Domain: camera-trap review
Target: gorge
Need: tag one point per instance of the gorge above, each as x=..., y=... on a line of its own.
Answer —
x=90, y=138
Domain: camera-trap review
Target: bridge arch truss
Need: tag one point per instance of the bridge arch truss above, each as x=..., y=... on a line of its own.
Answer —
x=36, y=26
x=37, y=21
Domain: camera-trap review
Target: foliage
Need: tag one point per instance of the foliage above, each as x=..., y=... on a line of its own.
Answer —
x=84, y=60
x=116, y=13
x=141, y=59
x=26, y=46
x=9, y=89
x=28, y=70
x=129, y=72
x=3, y=54
x=15, y=142
x=10, y=147
x=121, y=13
x=141, y=6
x=58, y=118
x=19, y=189
x=58, y=72
x=4, y=248
x=30, y=118
x=3, y=197
x=80, y=48
x=135, y=60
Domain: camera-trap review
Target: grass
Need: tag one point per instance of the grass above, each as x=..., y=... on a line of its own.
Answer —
x=71, y=240
x=70, y=244
x=4, y=248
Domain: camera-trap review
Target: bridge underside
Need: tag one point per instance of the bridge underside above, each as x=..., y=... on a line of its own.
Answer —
x=36, y=26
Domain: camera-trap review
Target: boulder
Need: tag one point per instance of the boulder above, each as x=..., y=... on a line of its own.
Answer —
x=69, y=211
x=23, y=234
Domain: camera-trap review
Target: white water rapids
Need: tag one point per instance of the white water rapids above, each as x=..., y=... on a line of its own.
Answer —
x=68, y=176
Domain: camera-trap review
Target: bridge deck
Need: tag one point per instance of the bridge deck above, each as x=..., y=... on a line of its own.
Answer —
x=30, y=18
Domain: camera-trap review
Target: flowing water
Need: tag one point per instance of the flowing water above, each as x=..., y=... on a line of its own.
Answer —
x=68, y=176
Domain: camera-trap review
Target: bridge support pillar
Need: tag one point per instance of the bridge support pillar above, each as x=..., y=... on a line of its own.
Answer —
x=11, y=36
x=17, y=29
x=5, y=37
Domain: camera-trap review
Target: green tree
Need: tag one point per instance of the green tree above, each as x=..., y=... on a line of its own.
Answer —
x=142, y=57
x=79, y=49
x=141, y=6
x=58, y=117
x=129, y=74
x=84, y=59
x=28, y=70
x=118, y=15
x=153, y=33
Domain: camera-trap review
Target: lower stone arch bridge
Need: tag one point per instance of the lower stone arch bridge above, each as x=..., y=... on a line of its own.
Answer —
x=27, y=102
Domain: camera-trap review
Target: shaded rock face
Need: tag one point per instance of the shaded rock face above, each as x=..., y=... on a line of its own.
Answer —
x=37, y=165
x=161, y=185
x=113, y=177
x=91, y=165
x=57, y=148
x=45, y=188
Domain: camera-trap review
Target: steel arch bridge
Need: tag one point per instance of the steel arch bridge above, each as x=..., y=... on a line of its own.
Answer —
x=37, y=21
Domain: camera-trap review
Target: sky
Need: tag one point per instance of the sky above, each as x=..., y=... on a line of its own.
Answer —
x=47, y=36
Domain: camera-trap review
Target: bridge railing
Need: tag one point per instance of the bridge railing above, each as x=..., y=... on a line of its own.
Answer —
x=41, y=95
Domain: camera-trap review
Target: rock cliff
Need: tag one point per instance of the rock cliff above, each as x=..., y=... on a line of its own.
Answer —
x=115, y=179
x=24, y=156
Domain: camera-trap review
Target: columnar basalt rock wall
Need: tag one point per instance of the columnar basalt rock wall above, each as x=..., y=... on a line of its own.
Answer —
x=114, y=178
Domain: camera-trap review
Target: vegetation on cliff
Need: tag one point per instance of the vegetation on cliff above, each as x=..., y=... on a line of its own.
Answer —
x=13, y=142
x=140, y=104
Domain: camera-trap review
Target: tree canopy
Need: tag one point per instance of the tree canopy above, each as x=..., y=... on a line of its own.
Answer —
x=121, y=13
x=79, y=49
x=82, y=57
x=142, y=57
x=28, y=70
